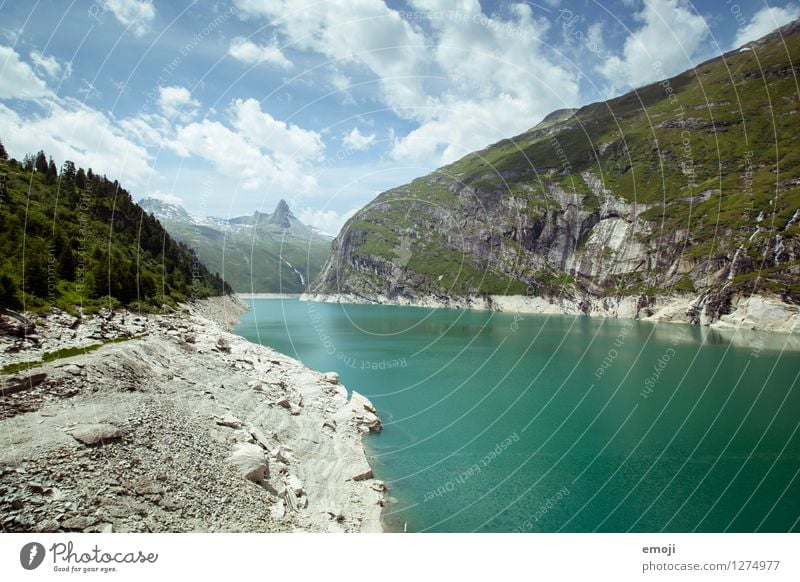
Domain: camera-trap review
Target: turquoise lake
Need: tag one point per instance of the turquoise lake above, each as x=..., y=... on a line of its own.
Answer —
x=503, y=423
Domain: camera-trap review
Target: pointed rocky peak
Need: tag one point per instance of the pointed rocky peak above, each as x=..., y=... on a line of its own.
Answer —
x=282, y=215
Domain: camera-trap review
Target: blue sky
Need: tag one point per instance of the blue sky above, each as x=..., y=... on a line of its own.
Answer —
x=228, y=106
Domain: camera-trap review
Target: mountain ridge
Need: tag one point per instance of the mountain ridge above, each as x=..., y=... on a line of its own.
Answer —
x=666, y=190
x=260, y=252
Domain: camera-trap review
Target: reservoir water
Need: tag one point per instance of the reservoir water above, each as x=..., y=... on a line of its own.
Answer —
x=503, y=422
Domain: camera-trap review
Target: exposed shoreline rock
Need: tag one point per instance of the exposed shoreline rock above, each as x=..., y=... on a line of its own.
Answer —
x=164, y=434
x=756, y=312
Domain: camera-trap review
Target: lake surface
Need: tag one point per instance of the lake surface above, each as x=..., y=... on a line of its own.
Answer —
x=501, y=422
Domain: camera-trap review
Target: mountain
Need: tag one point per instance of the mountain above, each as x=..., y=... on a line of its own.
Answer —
x=689, y=186
x=77, y=239
x=257, y=253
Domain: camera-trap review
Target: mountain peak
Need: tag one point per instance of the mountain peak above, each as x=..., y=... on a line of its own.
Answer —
x=282, y=215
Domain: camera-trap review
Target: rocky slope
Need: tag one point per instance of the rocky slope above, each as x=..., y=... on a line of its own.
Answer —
x=186, y=428
x=261, y=253
x=683, y=192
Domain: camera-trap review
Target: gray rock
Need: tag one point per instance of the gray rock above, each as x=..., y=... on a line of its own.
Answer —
x=73, y=369
x=230, y=421
x=330, y=377
x=91, y=434
x=80, y=522
x=249, y=461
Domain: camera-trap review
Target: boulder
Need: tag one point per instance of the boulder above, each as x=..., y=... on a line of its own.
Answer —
x=91, y=434
x=230, y=421
x=330, y=377
x=223, y=345
x=294, y=483
x=365, y=415
x=78, y=523
x=73, y=369
x=278, y=511
x=249, y=461
x=260, y=438
x=362, y=472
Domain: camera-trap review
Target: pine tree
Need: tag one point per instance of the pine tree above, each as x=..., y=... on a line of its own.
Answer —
x=68, y=172
x=52, y=171
x=3, y=152
x=80, y=179
x=41, y=163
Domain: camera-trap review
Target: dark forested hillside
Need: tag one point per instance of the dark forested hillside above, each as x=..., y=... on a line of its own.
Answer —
x=72, y=238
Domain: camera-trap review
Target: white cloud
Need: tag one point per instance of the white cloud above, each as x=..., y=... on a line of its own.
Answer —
x=494, y=69
x=286, y=140
x=500, y=82
x=177, y=103
x=362, y=32
x=148, y=130
x=17, y=79
x=50, y=65
x=136, y=15
x=328, y=221
x=259, y=150
x=88, y=137
x=765, y=21
x=167, y=197
x=251, y=53
x=670, y=35
x=357, y=141
x=68, y=130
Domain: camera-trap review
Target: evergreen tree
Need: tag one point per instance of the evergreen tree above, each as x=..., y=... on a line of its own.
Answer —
x=8, y=292
x=80, y=179
x=27, y=163
x=40, y=164
x=52, y=171
x=3, y=152
x=68, y=172
x=36, y=268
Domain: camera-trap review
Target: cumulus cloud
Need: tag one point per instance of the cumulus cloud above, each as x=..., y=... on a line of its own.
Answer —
x=765, y=21
x=285, y=140
x=86, y=136
x=17, y=78
x=328, y=221
x=69, y=129
x=177, y=103
x=135, y=15
x=669, y=36
x=251, y=53
x=492, y=68
x=257, y=149
x=356, y=140
x=50, y=65
x=167, y=197
x=362, y=32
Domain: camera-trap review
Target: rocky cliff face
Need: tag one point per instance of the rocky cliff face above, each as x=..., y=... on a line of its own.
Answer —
x=686, y=187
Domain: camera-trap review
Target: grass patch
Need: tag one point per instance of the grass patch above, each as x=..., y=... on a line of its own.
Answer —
x=59, y=355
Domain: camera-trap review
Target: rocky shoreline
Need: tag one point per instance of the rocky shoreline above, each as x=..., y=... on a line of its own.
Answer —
x=177, y=424
x=755, y=312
